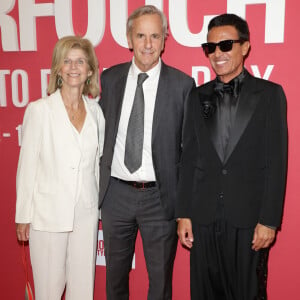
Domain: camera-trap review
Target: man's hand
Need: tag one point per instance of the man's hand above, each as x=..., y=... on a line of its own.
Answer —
x=263, y=237
x=22, y=231
x=185, y=233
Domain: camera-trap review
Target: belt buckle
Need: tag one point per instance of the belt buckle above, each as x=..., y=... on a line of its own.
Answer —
x=139, y=185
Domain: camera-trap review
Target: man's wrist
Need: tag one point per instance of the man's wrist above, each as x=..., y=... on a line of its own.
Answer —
x=271, y=227
x=182, y=218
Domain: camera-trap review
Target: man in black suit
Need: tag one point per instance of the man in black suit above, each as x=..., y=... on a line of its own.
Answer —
x=137, y=192
x=233, y=171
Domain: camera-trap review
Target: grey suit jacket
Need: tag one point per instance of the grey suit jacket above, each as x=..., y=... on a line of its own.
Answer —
x=173, y=90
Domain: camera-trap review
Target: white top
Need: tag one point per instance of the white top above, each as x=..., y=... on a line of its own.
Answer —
x=118, y=168
x=87, y=141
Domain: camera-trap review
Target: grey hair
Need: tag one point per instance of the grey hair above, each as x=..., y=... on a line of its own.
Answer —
x=147, y=10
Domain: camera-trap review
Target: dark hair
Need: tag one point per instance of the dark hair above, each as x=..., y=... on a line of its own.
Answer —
x=232, y=20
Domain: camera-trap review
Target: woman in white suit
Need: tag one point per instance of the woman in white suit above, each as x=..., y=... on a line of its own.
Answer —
x=58, y=175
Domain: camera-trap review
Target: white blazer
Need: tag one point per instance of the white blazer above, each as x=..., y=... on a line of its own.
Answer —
x=47, y=175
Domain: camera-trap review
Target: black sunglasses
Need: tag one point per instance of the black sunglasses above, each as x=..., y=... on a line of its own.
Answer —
x=224, y=46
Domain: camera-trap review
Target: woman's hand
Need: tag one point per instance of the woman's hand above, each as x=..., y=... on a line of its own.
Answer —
x=22, y=231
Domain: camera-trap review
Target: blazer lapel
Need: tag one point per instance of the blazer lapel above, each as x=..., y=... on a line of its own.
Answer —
x=211, y=118
x=57, y=104
x=212, y=126
x=118, y=100
x=246, y=107
x=160, y=104
x=60, y=119
x=59, y=111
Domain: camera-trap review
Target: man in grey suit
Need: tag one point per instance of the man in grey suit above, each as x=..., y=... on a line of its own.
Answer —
x=139, y=167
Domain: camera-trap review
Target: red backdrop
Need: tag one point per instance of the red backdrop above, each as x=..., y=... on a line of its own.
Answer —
x=29, y=30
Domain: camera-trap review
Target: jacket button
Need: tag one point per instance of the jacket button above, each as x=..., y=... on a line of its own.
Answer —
x=224, y=172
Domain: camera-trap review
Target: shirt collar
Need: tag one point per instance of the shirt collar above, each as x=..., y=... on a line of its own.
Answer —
x=152, y=73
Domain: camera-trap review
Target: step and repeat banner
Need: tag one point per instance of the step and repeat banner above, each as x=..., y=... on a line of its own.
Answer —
x=29, y=30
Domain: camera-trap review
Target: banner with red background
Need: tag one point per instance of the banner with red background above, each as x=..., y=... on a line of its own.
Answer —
x=29, y=30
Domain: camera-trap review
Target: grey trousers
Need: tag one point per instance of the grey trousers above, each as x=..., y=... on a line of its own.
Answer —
x=125, y=211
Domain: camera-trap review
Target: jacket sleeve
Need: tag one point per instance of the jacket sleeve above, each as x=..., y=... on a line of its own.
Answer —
x=101, y=124
x=28, y=161
x=187, y=163
x=276, y=159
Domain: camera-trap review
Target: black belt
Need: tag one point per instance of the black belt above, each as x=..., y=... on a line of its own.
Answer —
x=138, y=184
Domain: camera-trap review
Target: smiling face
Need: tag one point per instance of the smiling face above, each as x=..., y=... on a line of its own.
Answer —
x=75, y=69
x=147, y=41
x=227, y=65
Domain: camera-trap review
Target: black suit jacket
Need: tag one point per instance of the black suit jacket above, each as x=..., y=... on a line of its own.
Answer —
x=250, y=177
x=173, y=90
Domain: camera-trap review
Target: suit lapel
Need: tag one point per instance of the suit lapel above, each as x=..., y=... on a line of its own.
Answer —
x=212, y=126
x=247, y=104
x=211, y=118
x=58, y=107
x=161, y=99
x=118, y=100
x=59, y=111
x=61, y=119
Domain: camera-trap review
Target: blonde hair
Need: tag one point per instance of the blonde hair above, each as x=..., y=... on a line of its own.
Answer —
x=62, y=47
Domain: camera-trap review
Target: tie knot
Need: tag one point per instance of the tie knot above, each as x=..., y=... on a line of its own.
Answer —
x=231, y=87
x=141, y=78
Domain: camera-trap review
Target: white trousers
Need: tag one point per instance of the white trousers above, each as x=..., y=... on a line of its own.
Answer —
x=66, y=259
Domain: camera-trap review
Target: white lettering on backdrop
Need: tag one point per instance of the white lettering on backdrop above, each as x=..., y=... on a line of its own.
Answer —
x=178, y=20
x=18, y=76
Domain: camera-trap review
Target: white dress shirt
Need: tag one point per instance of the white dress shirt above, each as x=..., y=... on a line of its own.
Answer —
x=118, y=168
